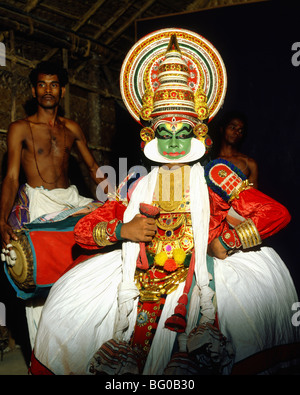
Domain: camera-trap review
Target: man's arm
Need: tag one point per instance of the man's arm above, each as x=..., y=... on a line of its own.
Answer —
x=263, y=215
x=83, y=149
x=86, y=154
x=253, y=177
x=10, y=184
x=99, y=228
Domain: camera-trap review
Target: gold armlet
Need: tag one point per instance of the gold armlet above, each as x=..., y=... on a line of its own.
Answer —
x=248, y=234
x=240, y=188
x=100, y=236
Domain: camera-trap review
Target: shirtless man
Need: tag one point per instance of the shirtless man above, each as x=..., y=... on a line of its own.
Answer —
x=232, y=132
x=41, y=144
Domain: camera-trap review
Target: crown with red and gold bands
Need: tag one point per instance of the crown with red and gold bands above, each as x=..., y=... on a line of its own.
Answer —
x=173, y=75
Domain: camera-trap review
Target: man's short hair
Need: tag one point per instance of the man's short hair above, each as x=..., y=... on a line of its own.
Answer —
x=49, y=68
x=229, y=116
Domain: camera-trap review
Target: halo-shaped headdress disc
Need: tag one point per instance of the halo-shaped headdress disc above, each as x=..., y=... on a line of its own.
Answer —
x=173, y=72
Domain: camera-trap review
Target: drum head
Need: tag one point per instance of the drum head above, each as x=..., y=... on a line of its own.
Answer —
x=22, y=272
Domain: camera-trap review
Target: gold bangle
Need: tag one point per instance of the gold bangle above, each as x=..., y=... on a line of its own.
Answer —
x=100, y=236
x=248, y=234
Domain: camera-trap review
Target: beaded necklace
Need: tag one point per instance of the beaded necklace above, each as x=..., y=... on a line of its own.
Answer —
x=34, y=154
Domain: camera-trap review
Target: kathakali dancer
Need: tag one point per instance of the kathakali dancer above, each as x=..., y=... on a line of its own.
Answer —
x=158, y=303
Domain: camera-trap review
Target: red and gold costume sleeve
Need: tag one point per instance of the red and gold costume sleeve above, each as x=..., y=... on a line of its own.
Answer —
x=218, y=212
x=103, y=226
x=97, y=229
x=268, y=215
x=263, y=215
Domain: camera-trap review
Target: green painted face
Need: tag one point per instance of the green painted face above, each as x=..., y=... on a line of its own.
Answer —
x=174, y=141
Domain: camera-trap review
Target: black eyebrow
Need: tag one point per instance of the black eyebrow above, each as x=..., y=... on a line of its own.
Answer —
x=50, y=82
x=162, y=128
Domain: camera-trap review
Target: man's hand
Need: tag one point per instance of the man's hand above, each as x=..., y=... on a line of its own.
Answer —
x=7, y=253
x=7, y=234
x=216, y=249
x=139, y=229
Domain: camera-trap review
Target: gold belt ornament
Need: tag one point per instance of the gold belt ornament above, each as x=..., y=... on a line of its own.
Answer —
x=152, y=289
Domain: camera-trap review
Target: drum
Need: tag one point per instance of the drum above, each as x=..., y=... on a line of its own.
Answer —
x=22, y=271
x=45, y=251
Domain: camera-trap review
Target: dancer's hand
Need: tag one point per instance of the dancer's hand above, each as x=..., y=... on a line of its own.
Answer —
x=139, y=229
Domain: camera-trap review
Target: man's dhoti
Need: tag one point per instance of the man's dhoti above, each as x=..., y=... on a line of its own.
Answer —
x=51, y=201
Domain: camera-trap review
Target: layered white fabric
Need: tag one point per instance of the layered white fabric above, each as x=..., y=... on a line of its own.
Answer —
x=79, y=314
x=33, y=310
x=45, y=201
x=255, y=294
x=64, y=356
x=128, y=299
x=96, y=300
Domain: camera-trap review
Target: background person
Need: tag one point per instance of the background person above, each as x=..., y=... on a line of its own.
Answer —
x=40, y=145
x=232, y=132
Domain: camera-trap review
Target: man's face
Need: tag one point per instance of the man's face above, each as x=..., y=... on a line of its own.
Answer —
x=174, y=140
x=234, y=131
x=48, y=91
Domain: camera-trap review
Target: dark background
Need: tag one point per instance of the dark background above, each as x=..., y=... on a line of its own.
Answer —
x=255, y=41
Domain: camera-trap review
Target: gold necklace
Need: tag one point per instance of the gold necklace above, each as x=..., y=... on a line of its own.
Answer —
x=171, y=204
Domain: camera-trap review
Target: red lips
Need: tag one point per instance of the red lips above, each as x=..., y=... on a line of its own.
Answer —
x=174, y=153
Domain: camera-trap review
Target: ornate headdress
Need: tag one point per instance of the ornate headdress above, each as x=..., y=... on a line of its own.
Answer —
x=171, y=76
